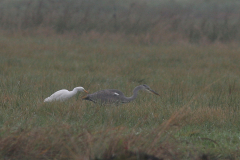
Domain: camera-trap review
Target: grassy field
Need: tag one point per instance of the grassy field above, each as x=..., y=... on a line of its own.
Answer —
x=196, y=117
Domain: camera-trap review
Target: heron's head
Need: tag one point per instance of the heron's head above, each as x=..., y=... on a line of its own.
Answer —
x=146, y=87
x=81, y=89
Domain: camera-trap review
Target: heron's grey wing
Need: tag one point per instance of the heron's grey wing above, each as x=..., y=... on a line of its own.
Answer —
x=107, y=96
x=115, y=92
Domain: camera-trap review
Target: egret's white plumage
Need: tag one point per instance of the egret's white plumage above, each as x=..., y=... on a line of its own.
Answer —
x=64, y=94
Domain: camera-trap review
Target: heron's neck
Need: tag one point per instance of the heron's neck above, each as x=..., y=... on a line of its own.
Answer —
x=135, y=92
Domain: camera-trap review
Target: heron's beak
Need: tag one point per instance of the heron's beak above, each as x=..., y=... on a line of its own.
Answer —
x=85, y=91
x=152, y=91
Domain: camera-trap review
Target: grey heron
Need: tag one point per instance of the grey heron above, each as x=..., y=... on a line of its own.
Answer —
x=64, y=94
x=114, y=96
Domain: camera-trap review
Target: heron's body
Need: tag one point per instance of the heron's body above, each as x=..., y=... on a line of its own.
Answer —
x=64, y=94
x=114, y=96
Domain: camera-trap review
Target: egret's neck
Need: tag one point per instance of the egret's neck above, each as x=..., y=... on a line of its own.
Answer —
x=73, y=92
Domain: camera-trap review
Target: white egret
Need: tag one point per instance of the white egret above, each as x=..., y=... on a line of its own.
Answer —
x=64, y=94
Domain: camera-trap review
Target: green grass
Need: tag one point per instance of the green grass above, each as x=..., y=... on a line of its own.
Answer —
x=196, y=116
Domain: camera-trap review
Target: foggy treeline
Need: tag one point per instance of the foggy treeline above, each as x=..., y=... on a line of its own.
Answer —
x=193, y=21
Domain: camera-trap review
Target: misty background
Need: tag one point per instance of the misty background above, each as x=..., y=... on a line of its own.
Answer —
x=145, y=21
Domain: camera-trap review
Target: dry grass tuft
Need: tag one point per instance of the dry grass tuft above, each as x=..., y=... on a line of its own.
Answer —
x=206, y=114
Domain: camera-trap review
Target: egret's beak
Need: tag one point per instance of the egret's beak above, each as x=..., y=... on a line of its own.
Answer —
x=85, y=91
x=152, y=91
